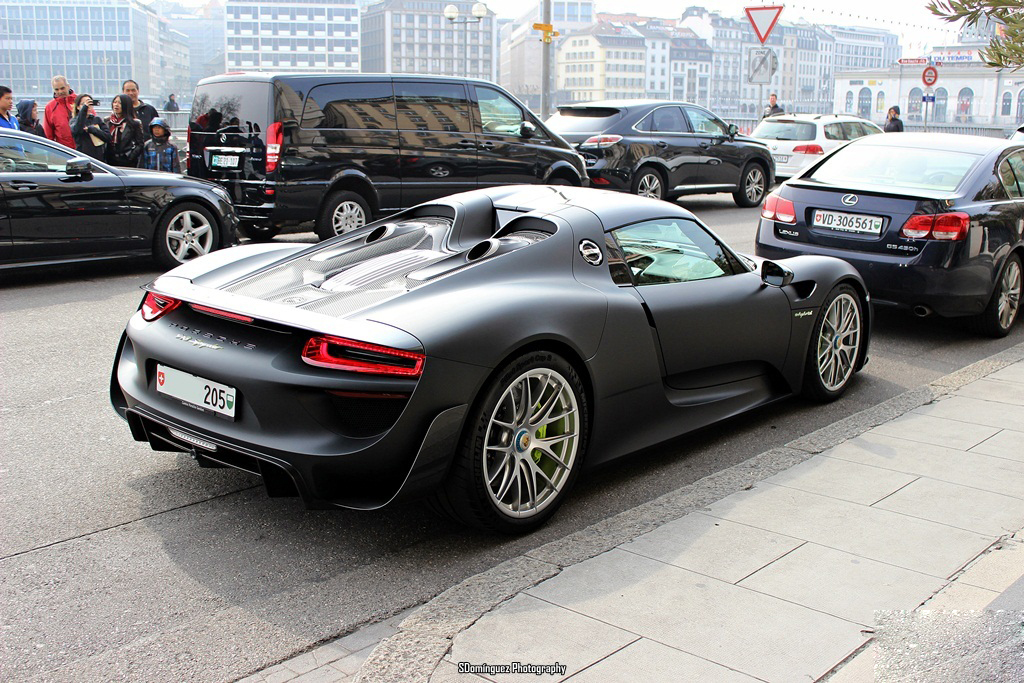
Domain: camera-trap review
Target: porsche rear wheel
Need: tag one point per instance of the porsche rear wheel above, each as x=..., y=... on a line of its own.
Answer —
x=522, y=448
x=834, y=349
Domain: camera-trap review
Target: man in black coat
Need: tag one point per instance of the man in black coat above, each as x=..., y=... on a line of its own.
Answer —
x=145, y=113
x=772, y=109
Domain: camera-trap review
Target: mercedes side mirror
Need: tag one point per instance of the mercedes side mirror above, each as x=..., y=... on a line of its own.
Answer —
x=775, y=274
x=527, y=130
x=79, y=166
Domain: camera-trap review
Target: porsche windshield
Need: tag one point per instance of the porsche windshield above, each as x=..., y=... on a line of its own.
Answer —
x=896, y=167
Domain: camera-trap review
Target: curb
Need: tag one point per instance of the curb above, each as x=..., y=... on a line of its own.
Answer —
x=426, y=635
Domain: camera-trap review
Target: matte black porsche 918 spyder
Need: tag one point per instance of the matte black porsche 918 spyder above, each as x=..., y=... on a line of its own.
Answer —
x=480, y=349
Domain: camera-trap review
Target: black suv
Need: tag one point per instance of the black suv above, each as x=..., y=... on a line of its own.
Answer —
x=664, y=149
x=342, y=149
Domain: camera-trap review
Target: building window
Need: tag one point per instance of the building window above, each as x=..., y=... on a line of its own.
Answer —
x=864, y=103
x=964, y=104
x=849, y=101
x=880, y=102
x=914, y=104
x=939, y=112
x=1007, y=104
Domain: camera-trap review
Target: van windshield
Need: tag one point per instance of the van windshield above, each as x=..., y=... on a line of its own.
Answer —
x=232, y=107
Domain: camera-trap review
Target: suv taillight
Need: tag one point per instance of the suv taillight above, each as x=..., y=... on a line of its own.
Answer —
x=600, y=141
x=778, y=209
x=808, y=149
x=348, y=354
x=275, y=137
x=947, y=227
x=156, y=305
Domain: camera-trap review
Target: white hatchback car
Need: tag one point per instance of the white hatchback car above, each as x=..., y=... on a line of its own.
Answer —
x=798, y=140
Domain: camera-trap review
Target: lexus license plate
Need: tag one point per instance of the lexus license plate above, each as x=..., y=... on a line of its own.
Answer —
x=196, y=392
x=224, y=160
x=847, y=222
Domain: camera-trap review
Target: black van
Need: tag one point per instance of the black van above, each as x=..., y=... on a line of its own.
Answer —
x=342, y=149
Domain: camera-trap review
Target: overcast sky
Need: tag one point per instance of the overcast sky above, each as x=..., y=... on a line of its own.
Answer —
x=908, y=18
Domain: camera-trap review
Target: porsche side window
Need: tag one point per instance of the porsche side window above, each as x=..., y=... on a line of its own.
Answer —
x=671, y=250
x=26, y=156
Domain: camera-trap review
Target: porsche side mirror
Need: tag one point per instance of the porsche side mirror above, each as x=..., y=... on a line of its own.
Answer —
x=78, y=166
x=775, y=274
x=527, y=130
x=733, y=130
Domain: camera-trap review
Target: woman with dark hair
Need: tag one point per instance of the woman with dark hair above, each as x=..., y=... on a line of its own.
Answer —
x=87, y=129
x=126, y=137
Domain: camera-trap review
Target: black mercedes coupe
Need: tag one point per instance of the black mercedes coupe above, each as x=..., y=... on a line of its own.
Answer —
x=57, y=206
x=933, y=222
x=480, y=349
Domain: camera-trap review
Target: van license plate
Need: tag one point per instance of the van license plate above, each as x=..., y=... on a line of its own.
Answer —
x=224, y=161
x=196, y=392
x=848, y=222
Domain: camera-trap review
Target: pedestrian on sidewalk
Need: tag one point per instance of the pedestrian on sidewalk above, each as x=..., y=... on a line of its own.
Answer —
x=773, y=108
x=58, y=113
x=7, y=117
x=28, y=118
x=159, y=153
x=145, y=113
x=893, y=123
x=171, y=104
x=126, y=137
x=90, y=133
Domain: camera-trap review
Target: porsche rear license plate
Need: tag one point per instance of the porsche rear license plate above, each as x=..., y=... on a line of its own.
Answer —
x=196, y=392
x=224, y=160
x=847, y=222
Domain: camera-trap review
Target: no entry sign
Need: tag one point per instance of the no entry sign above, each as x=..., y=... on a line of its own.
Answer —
x=929, y=76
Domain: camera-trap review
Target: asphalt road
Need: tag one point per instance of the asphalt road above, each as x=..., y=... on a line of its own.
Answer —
x=118, y=562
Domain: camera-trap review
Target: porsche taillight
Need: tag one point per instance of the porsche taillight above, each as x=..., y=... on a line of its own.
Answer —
x=275, y=137
x=339, y=353
x=946, y=227
x=156, y=305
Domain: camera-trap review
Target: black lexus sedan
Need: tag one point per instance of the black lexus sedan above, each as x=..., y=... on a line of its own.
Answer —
x=663, y=150
x=58, y=206
x=931, y=221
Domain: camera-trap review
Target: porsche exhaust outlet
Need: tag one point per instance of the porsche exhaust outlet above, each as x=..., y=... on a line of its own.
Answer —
x=922, y=311
x=483, y=249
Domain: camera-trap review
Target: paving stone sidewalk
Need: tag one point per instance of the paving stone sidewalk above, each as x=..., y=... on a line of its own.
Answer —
x=776, y=569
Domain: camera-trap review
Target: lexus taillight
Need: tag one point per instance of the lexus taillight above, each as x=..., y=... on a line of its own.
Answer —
x=275, y=137
x=808, y=149
x=948, y=227
x=600, y=141
x=339, y=353
x=156, y=305
x=777, y=209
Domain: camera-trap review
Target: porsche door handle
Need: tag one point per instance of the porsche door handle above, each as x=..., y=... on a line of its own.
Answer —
x=22, y=185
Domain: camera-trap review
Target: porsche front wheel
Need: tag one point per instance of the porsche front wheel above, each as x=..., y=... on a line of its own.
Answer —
x=834, y=349
x=522, y=448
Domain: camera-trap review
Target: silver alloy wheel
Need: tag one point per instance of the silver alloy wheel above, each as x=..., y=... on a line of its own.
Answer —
x=189, y=235
x=649, y=186
x=439, y=171
x=531, y=443
x=754, y=186
x=348, y=216
x=839, y=342
x=1009, y=294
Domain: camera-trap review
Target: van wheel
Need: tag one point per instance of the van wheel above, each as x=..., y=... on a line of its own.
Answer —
x=258, y=232
x=343, y=212
x=187, y=231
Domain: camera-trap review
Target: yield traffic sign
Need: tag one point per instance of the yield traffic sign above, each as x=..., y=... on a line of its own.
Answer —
x=929, y=76
x=763, y=19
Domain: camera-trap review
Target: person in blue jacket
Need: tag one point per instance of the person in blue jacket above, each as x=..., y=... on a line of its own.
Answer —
x=159, y=153
x=7, y=118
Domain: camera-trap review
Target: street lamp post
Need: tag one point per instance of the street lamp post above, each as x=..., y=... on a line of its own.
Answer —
x=451, y=13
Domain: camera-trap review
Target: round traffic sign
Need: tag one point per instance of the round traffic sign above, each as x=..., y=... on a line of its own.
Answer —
x=930, y=75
